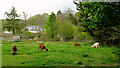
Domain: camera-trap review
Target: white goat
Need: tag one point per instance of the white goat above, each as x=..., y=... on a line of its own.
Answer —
x=95, y=45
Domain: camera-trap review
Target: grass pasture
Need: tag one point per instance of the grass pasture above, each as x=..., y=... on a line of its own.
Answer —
x=58, y=54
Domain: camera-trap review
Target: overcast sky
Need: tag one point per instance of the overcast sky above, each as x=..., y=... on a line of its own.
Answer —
x=32, y=7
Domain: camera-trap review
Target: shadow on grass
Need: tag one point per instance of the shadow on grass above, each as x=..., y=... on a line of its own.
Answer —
x=80, y=63
x=23, y=53
x=26, y=62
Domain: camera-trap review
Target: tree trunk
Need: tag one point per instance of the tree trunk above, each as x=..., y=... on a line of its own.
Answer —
x=14, y=32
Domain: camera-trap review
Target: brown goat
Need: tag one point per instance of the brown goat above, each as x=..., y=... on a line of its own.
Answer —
x=14, y=48
x=77, y=44
x=42, y=47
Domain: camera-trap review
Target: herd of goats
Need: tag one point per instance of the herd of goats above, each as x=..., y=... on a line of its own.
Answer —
x=14, y=48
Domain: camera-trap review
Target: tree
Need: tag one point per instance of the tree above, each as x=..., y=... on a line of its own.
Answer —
x=3, y=22
x=49, y=25
x=101, y=20
x=25, y=18
x=12, y=21
x=59, y=12
x=67, y=30
x=60, y=19
x=73, y=19
x=39, y=19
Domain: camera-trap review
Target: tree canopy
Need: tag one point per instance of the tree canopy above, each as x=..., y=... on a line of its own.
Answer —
x=49, y=25
x=100, y=19
x=12, y=21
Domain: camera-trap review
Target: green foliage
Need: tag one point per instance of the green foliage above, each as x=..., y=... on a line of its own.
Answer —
x=67, y=30
x=38, y=19
x=65, y=26
x=12, y=21
x=49, y=25
x=3, y=22
x=101, y=20
x=56, y=32
x=59, y=12
x=49, y=33
x=84, y=36
x=58, y=54
x=73, y=19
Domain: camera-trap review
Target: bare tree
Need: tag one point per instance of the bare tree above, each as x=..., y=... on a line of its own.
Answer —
x=25, y=15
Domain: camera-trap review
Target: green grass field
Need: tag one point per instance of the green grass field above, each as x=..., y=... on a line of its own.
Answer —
x=58, y=54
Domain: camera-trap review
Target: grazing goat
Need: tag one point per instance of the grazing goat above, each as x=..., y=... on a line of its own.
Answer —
x=42, y=47
x=77, y=44
x=95, y=45
x=14, y=48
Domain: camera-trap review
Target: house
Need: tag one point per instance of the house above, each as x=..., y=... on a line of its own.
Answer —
x=8, y=32
x=34, y=28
